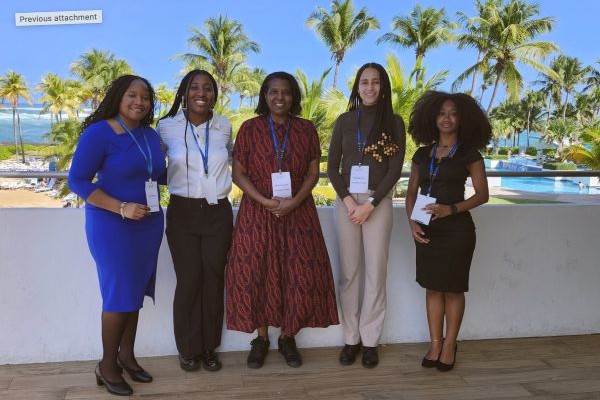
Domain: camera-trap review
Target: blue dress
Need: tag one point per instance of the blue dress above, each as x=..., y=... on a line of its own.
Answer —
x=125, y=251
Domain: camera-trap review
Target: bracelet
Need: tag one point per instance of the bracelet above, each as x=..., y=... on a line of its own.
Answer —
x=122, y=209
x=453, y=209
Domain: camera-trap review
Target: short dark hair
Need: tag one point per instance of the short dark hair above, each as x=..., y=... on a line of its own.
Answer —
x=384, y=115
x=109, y=106
x=263, y=109
x=474, y=127
x=184, y=87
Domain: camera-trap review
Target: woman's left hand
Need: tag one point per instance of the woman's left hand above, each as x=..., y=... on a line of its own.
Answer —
x=438, y=211
x=285, y=206
x=361, y=213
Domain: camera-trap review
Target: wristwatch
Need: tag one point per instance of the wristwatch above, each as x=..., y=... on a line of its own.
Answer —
x=373, y=201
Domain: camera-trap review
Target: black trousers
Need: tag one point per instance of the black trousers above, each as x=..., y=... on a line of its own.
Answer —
x=199, y=236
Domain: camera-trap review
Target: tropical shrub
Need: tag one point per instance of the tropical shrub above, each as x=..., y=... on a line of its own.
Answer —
x=556, y=166
x=531, y=151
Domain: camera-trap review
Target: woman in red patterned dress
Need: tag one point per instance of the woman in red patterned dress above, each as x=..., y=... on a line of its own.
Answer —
x=278, y=272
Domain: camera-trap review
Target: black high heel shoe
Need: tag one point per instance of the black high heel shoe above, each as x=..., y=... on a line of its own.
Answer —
x=447, y=367
x=428, y=363
x=118, y=388
x=138, y=375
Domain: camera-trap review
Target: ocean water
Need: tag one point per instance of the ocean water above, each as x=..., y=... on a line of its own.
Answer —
x=33, y=124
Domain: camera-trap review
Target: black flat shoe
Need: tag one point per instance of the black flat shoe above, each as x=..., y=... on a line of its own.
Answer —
x=258, y=352
x=189, y=364
x=287, y=348
x=210, y=361
x=370, y=358
x=348, y=354
x=447, y=367
x=138, y=375
x=117, y=388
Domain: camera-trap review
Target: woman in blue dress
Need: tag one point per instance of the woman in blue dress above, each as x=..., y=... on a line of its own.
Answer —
x=124, y=222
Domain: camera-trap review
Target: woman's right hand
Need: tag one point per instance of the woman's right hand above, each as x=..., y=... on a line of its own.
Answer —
x=270, y=204
x=350, y=204
x=135, y=211
x=417, y=233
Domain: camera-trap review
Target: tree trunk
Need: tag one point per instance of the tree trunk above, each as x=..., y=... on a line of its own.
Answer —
x=528, y=126
x=335, y=75
x=21, y=139
x=494, y=92
x=14, y=118
x=474, y=81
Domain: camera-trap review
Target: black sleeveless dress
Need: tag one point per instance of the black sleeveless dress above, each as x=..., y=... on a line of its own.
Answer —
x=444, y=263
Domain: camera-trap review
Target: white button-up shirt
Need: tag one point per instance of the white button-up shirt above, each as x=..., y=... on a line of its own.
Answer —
x=184, y=180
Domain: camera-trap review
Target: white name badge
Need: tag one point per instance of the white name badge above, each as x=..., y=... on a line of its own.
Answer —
x=209, y=188
x=282, y=184
x=359, y=179
x=418, y=213
x=152, y=199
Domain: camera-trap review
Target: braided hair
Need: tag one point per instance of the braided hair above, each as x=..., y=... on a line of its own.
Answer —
x=183, y=90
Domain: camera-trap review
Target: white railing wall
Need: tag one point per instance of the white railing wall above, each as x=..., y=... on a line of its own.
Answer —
x=536, y=272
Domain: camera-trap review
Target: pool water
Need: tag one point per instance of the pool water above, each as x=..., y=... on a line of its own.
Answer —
x=544, y=185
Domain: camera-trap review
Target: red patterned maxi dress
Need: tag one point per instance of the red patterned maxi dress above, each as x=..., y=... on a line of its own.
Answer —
x=278, y=272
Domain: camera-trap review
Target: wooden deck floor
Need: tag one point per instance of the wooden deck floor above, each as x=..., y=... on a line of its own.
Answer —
x=563, y=368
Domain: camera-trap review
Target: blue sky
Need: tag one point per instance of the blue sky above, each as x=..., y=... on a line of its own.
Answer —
x=148, y=33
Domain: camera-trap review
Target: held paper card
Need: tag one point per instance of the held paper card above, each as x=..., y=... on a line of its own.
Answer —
x=418, y=213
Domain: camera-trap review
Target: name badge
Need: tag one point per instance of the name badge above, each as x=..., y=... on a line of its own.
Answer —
x=418, y=213
x=359, y=179
x=282, y=184
x=209, y=188
x=152, y=199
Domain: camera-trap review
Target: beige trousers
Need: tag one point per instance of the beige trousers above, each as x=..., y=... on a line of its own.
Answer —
x=363, y=253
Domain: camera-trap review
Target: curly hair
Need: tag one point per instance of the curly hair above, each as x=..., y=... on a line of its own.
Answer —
x=184, y=88
x=263, y=109
x=474, y=127
x=109, y=106
x=384, y=114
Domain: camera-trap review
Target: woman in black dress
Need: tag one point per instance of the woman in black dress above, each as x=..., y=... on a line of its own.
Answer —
x=452, y=128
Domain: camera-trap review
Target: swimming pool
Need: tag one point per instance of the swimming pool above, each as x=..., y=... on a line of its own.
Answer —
x=544, y=185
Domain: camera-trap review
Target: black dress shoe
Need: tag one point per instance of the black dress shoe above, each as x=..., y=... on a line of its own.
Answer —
x=447, y=367
x=119, y=388
x=138, y=375
x=189, y=363
x=258, y=352
x=348, y=354
x=287, y=347
x=210, y=360
x=370, y=358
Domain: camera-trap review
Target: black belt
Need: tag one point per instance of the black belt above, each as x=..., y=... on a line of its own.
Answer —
x=191, y=202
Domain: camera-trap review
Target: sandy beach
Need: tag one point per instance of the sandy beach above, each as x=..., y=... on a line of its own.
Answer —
x=23, y=198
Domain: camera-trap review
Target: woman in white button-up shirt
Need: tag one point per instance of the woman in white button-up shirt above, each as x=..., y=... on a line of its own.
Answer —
x=199, y=217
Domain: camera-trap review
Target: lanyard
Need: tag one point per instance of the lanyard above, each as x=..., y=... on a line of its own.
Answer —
x=360, y=143
x=279, y=151
x=434, y=171
x=205, y=154
x=148, y=157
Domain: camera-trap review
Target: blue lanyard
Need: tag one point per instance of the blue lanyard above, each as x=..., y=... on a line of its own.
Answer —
x=205, y=154
x=434, y=171
x=360, y=143
x=148, y=157
x=279, y=151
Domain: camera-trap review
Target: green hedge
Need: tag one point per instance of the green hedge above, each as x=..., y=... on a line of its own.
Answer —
x=556, y=166
x=497, y=157
x=531, y=151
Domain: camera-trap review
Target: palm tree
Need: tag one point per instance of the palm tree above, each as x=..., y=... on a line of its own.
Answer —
x=57, y=96
x=589, y=157
x=561, y=132
x=511, y=42
x=476, y=35
x=341, y=29
x=13, y=87
x=164, y=97
x=533, y=103
x=571, y=73
x=224, y=48
x=422, y=29
x=312, y=105
x=247, y=82
x=512, y=117
x=97, y=69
